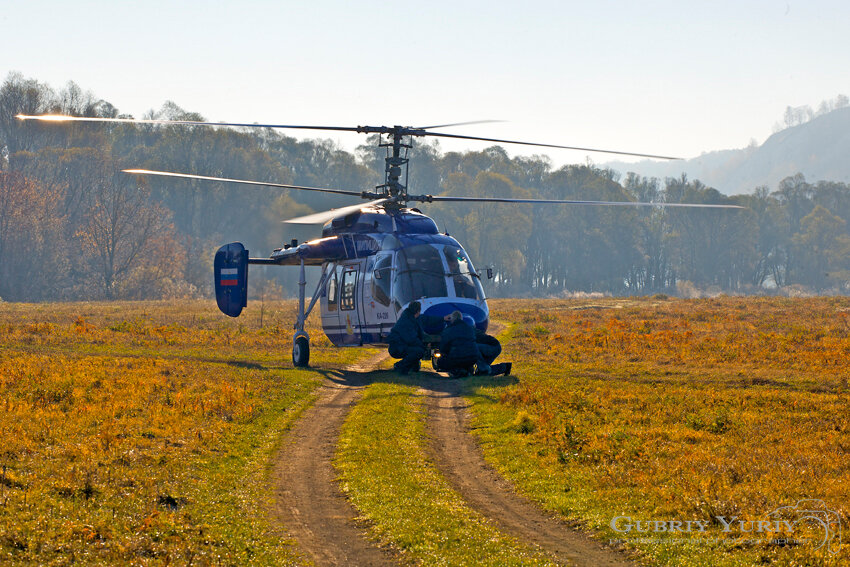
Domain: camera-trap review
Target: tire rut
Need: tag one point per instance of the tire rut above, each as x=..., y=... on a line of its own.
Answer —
x=308, y=500
x=458, y=456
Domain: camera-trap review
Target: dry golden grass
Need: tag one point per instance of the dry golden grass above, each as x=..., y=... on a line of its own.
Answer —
x=140, y=432
x=673, y=409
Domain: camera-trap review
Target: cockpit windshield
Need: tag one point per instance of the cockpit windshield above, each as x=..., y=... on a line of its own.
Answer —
x=427, y=270
x=466, y=283
x=420, y=274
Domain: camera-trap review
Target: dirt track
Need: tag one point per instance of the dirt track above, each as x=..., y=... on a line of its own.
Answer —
x=459, y=458
x=313, y=509
x=309, y=502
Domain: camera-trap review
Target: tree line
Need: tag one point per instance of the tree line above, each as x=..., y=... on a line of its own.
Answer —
x=72, y=226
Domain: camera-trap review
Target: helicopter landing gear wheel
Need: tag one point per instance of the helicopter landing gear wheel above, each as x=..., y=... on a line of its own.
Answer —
x=301, y=351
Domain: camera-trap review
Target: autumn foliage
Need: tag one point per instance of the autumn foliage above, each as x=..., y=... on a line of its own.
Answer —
x=31, y=226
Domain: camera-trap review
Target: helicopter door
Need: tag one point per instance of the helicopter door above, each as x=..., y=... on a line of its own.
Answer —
x=349, y=317
x=378, y=316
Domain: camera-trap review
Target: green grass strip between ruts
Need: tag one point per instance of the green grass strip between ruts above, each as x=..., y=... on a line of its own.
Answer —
x=388, y=477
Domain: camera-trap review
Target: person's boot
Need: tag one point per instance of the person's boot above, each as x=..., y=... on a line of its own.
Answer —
x=501, y=368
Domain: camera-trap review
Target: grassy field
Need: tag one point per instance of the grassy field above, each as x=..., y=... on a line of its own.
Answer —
x=672, y=410
x=141, y=433
x=138, y=433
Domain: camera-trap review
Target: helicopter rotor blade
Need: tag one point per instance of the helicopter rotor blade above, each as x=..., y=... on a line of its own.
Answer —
x=500, y=141
x=363, y=194
x=460, y=124
x=367, y=129
x=324, y=216
x=360, y=129
x=432, y=198
x=63, y=118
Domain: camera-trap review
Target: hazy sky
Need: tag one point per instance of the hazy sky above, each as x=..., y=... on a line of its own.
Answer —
x=666, y=77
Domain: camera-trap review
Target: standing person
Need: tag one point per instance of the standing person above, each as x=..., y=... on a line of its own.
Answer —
x=458, y=351
x=406, y=340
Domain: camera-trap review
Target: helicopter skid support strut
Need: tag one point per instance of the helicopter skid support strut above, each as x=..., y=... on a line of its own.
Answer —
x=301, y=340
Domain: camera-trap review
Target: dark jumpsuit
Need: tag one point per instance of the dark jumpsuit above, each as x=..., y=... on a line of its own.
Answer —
x=458, y=350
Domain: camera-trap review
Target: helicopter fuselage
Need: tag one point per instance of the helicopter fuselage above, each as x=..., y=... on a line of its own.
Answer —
x=374, y=263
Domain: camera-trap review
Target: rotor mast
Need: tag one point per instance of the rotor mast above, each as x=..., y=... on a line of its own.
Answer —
x=396, y=160
x=396, y=164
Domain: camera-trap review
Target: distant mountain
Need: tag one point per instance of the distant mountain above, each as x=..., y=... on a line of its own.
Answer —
x=819, y=149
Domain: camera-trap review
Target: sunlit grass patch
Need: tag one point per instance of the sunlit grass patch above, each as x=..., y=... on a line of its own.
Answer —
x=119, y=459
x=686, y=410
x=139, y=433
x=386, y=474
x=159, y=328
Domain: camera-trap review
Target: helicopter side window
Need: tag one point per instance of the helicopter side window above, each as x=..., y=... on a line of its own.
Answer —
x=381, y=279
x=331, y=291
x=420, y=274
x=463, y=276
x=348, y=288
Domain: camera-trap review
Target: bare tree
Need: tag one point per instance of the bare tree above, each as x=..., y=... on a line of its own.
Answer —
x=32, y=252
x=123, y=230
x=20, y=96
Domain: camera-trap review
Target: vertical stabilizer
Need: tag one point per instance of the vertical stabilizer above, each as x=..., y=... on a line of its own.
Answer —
x=230, y=269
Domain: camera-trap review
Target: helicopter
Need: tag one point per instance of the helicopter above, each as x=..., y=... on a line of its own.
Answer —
x=375, y=258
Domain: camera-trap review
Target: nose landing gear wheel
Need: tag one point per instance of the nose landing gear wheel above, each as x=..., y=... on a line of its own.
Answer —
x=301, y=351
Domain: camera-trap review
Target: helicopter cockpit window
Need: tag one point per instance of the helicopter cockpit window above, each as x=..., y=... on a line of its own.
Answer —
x=466, y=283
x=382, y=279
x=347, y=290
x=420, y=274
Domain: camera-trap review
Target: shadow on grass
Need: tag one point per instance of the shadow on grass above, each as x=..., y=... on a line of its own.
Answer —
x=242, y=364
x=426, y=379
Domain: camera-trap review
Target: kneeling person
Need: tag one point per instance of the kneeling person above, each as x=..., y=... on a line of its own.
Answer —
x=489, y=348
x=458, y=351
x=406, y=340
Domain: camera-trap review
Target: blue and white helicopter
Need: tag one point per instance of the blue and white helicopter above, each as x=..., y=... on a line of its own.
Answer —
x=375, y=257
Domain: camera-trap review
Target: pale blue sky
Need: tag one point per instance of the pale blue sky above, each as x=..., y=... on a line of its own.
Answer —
x=667, y=77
